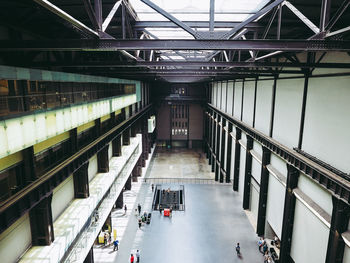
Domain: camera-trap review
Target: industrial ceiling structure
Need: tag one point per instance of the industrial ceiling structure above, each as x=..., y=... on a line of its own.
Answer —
x=176, y=41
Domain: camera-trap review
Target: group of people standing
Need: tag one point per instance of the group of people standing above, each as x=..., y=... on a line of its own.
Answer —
x=263, y=248
x=132, y=258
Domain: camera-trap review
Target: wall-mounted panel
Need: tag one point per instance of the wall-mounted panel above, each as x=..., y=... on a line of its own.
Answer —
x=257, y=148
x=320, y=196
x=263, y=106
x=238, y=99
x=327, y=124
x=308, y=248
x=256, y=170
x=289, y=95
x=248, y=104
x=62, y=196
x=275, y=205
x=224, y=95
x=110, y=151
x=254, y=198
x=219, y=95
x=279, y=164
x=241, y=172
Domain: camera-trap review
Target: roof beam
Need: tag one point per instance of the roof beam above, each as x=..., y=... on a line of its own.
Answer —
x=111, y=15
x=211, y=15
x=139, y=25
x=165, y=44
x=337, y=14
x=172, y=18
x=59, y=12
x=260, y=13
x=91, y=14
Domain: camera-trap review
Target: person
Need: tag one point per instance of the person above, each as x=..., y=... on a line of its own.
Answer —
x=132, y=259
x=238, y=249
x=265, y=248
x=137, y=256
x=109, y=238
x=266, y=257
x=116, y=245
x=260, y=243
x=171, y=210
x=152, y=187
x=140, y=222
x=139, y=208
x=125, y=209
x=145, y=214
x=269, y=260
x=160, y=209
x=105, y=239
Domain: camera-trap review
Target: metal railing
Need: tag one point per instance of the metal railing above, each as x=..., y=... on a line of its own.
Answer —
x=182, y=181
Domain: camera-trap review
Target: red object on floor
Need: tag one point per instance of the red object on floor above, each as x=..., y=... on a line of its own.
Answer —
x=166, y=212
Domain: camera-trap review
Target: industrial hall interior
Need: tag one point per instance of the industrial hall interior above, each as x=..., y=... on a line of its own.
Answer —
x=175, y=131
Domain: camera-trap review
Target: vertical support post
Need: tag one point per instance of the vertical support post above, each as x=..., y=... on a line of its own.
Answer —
x=126, y=136
x=29, y=165
x=237, y=159
x=217, y=149
x=273, y=106
x=97, y=127
x=222, y=145
x=73, y=136
x=339, y=224
x=102, y=160
x=288, y=213
x=247, y=173
x=41, y=223
x=264, y=185
x=325, y=13
x=81, y=181
x=255, y=91
x=90, y=256
x=229, y=153
x=117, y=146
x=133, y=129
x=213, y=143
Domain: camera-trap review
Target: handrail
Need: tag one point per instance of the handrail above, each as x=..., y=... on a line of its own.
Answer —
x=169, y=180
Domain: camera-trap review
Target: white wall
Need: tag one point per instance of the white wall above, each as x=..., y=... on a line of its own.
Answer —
x=93, y=167
x=233, y=158
x=241, y=172
x=279, y=164
x=238, y=99
x=320, y=196
x=224, y=95
x=254, y=198
x=289, y=94
x=346, y=258
x=62, y=196
x=263, y=106
x=328, y=107
x=15, y=240
x=256, y=170
x=257, y=148
x=275, y=205
x=230, y=97
x=312, y=247
x=248, y=102
x=110, y=151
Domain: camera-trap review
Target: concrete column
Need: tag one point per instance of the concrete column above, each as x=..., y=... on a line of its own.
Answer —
x=41, y=223
x=288, y=213
x=126, y=136
x=120, y=200
x=237, y=159
x=339, y=224
x=90, y=257
x=247, y=173
x=128, y=183
x=264, y=184
x=229, y=154
x=102, y=160
x=117, y=146
x=81, y=181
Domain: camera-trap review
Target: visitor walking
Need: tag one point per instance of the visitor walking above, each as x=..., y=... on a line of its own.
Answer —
x=137, y=256
x=139, y=208
x=132, y=259
x=152, y=187
x=125, y=209
x=116, y=245
x=238, y=250
x=140, y=222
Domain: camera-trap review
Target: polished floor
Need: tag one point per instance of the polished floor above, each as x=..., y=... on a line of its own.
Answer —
x=207, y=231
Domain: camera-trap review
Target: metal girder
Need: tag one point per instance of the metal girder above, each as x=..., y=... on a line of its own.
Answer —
x=303, y=18
x=140, y=25
x=340, y=31
x=189, y=64
x=211, y=15
x=91, y=14
x=165, y=44
x=98, y=12
x=337, y=15
x=76, y=23
x=172, y=18
x=111, y=15
x=262, y=12
x=325, y=13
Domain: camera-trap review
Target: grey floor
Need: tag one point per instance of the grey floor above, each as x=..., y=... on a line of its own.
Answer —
x=207, y=231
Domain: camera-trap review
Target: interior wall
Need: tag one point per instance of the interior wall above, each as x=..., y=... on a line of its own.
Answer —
x=263, y=106
x=93, y=167
x=196, y=114
x=15, y=240
x=229, y=97
x=248, y=104
x=241, y=173
x=163, y=122
x=238, y=99
x=62, y=196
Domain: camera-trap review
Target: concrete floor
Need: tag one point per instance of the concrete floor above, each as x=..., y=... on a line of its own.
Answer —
x=207, y=231
x=180, y=163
